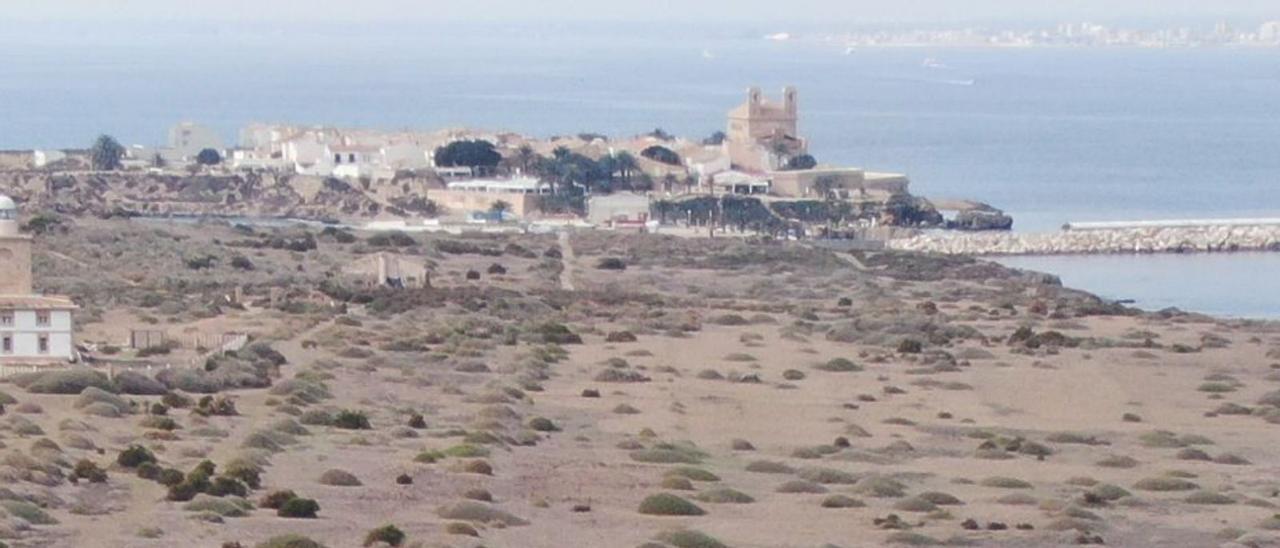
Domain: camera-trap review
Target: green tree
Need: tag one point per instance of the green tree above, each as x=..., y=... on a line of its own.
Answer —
x=525, y=157
x=661, y=154
x=106, y=153
x=715, y=139
x=803, y=161
x=478, y=155
x=208, y=157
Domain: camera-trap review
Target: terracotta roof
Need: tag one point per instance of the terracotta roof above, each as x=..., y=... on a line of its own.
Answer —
x=36, y=302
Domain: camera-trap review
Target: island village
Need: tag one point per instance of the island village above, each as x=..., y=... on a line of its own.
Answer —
x=335, y=338
x=451, y=179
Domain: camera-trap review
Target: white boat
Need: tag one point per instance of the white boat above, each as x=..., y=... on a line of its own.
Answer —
x=932, y=63
x=778, y=37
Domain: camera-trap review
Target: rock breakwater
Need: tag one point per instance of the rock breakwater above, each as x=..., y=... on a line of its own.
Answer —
x=1179, y=239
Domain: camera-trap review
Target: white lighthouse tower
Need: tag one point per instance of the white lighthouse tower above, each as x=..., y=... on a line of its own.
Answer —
x=34, y=329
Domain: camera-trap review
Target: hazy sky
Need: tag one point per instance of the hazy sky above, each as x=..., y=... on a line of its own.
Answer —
x=936, y=11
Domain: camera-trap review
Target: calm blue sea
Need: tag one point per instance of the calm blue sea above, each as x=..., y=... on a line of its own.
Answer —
x=1050, y=135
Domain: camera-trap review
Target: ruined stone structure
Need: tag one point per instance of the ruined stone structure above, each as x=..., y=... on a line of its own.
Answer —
x=389, y=270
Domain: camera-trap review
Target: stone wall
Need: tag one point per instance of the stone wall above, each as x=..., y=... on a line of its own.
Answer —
x=1121, y=240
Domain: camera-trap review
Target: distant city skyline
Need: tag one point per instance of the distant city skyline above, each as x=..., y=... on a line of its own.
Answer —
x=738, y=11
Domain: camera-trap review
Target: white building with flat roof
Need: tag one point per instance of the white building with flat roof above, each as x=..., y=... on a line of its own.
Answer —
x=522, y=195
x=34, y=329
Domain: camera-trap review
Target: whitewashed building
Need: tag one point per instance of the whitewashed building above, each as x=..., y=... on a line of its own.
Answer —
x=42, y=158
x=188, y=139
x=34, y=329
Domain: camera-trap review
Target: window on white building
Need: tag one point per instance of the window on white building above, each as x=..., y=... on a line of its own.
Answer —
x=42, y=319
x=43, y=344
x=6, y=345
x=6, y=318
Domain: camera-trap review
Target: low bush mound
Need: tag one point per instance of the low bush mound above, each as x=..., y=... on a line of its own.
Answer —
x=724, y=495
x=880, y=487
x=842, y=501
x=827, y=476
x=914, y=504
x=1001, y=482
x=666, y=504
x=1165, y=483
x=668, y=454
x=134, y=456
x=225, y=507
x=67, y=382
x=87, y=470
x=1209, y=497
x=801, y=487
x=289, y=541
x=839, y=365
x=299, y=508
x=687, y=538
x=478, y=512
x=352, y=420
x=31, y=513
x=275, y=499
x=339, y=478
x=693, y=474
x=459, y=528
x=388, y=534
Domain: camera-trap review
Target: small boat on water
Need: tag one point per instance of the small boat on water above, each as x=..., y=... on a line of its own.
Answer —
x=932, y=63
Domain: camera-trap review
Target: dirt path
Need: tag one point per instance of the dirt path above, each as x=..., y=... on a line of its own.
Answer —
x=569, y=260
x=84, y=265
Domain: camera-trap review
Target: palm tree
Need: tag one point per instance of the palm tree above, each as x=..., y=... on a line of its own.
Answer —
x=826, y=186
x=626, y=166
x=525, y=155
x=690, y=181
x=782, y=150
x=669, y=182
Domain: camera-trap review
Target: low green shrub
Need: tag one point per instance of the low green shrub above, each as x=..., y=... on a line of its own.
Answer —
x=666, y=504
x=389, y=534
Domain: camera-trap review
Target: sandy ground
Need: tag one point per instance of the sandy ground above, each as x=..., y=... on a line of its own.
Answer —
x=956, y=423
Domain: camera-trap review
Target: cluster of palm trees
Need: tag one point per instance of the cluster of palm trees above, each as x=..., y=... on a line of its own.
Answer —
x=573, y=172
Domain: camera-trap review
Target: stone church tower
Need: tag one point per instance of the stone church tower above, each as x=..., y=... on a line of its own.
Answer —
x=15, y=252
x=762, y=133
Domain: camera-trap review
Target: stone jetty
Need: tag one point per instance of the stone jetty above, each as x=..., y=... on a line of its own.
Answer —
x=1147, y=237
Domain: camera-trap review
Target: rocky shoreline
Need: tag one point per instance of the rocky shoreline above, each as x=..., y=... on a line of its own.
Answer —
x=1199, y=239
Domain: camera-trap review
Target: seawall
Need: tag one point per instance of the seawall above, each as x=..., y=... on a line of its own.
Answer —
x=1186, y=238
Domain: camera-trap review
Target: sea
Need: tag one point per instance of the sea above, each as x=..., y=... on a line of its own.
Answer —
x=1051, y=135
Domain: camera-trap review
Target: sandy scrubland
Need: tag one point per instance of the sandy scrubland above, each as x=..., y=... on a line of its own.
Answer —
x=656, y=391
